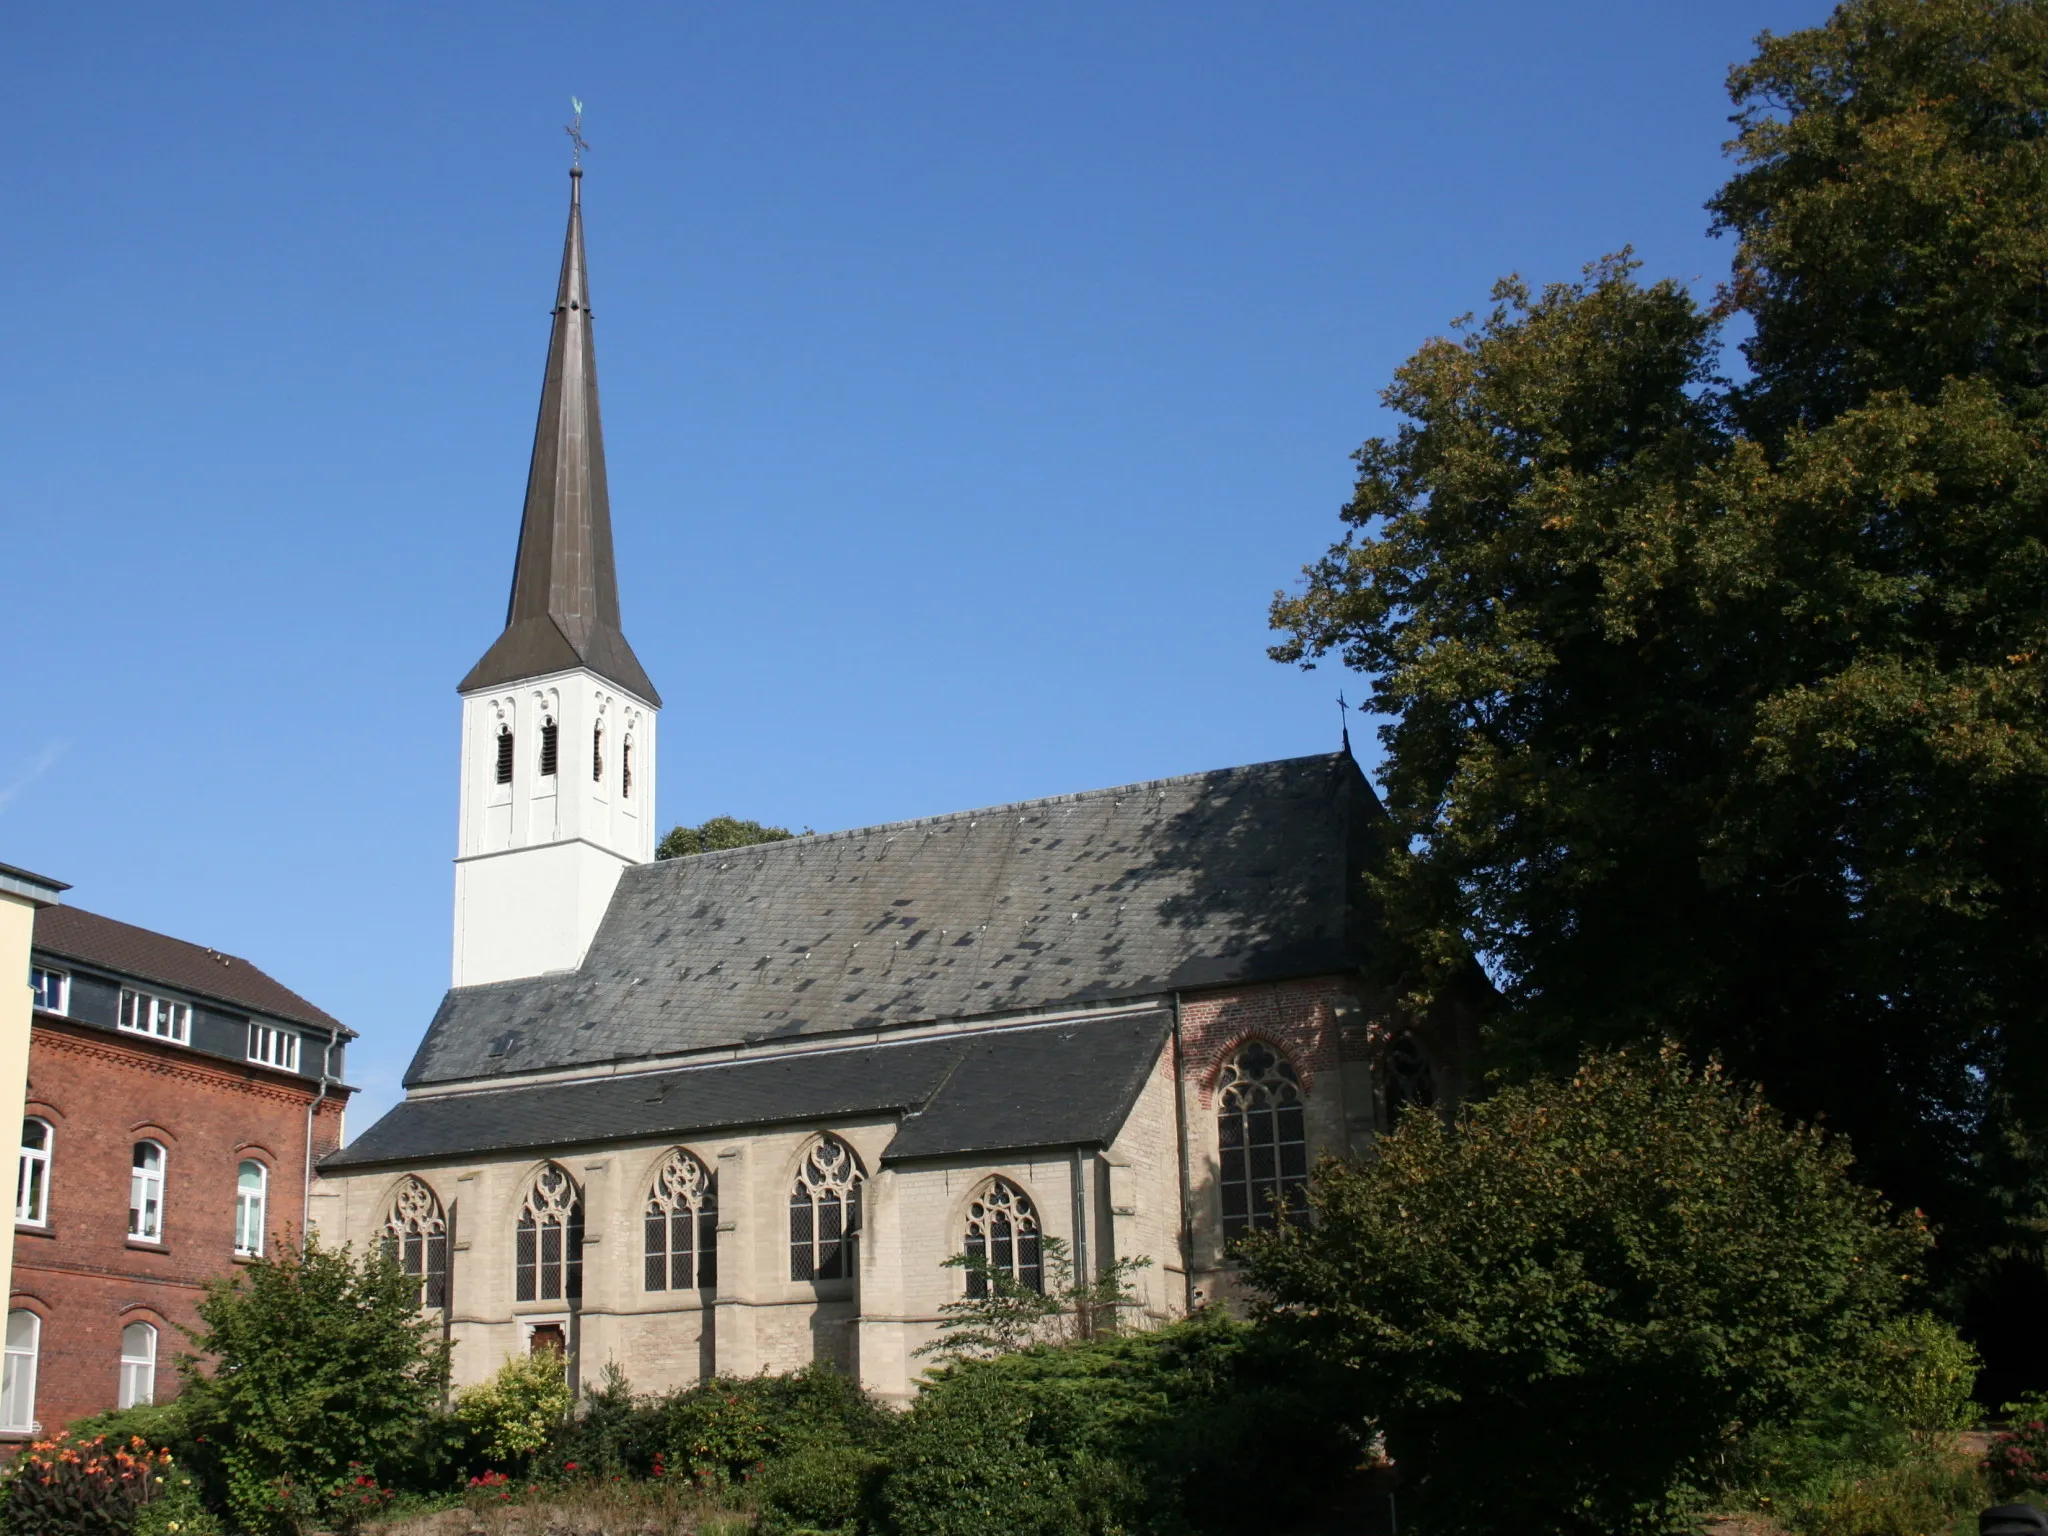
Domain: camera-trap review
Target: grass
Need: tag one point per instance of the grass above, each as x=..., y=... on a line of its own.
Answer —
x=1936, y=1489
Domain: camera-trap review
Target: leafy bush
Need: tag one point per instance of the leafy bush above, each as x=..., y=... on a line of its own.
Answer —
x=1203, y=1425
x=1920, y=1371
x=322, y=1365
x=967, y=1462
x=726, y=1431
x=823, y=1486
x=90, y=1487
x=1562, y=1311
x=614, y=1433
x=511, y=1416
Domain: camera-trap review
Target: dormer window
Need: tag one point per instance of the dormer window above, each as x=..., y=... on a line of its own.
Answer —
x=274, y=1047
x=52, y=989
x=504, y=754
x=143, y=1014
x=548, y=734
x=597, y=754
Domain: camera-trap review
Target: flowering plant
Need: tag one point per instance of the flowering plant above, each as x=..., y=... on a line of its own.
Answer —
x=2018, y=1460
x=82, y=1488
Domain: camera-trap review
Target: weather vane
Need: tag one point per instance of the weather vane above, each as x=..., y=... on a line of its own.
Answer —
x=575, y=132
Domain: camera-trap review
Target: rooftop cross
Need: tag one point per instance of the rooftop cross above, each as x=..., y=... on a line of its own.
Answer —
x=575, y=132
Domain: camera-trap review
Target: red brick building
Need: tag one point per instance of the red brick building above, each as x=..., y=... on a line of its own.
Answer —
x=178, y=1098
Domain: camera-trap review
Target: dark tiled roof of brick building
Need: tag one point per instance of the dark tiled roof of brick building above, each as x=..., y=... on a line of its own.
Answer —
x=1245, y=874
x=1030, y=1085
x=70, y=933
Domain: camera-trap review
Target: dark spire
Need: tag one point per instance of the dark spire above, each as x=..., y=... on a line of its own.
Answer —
x=564, y=610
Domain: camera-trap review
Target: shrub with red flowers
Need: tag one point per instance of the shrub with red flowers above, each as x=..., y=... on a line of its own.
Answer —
x=488, y=1489
x=348, y=1501
x=58, y=1487
x=2017, y=1463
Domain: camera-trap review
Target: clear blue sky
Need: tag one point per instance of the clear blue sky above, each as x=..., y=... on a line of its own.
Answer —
x=973, y=375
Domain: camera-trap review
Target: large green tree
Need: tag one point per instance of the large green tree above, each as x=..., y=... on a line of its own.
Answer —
x=1722, y=710
x=717, y=835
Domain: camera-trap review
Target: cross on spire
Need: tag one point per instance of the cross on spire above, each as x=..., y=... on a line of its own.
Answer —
x=575, y=131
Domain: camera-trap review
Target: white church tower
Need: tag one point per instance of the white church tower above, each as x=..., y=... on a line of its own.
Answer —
x=558, y=750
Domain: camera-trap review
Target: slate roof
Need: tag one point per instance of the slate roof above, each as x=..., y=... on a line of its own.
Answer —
x=70, y=933
x=1243, y=874
x=564, y=608
x=1034, y=1085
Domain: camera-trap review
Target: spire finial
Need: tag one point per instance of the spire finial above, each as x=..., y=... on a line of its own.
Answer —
x=578, y=144
x=1344, y=716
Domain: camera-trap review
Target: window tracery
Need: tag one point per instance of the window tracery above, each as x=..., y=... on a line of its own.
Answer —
x=416, y=1235
x=1262, y=1138
x=548, y=1243
x=682, y=1225
x=824, y=1212
x=1002, y=1232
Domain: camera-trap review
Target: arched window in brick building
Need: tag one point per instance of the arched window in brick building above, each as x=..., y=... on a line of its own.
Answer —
x=138, y=1365
x=1263, y=1141
x=682, y=1225
x=1002, y=1235
x=416, y=1235
x=18, y=1387
x=548, y=1243
x=252, y=1196
x=32, y=1179
x=824, y=1212
x=146, y=1192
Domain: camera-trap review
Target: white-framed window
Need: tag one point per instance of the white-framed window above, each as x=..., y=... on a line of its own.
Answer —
x=252, y=1190
x=146, y=1193
x=824, y=1211
x=274, y=1047
x=550, y=736
x=18, y=1384
x=32, y=1183
x=52, y=988
x=503, y=772
x=138, y=1365
x=144, y=1014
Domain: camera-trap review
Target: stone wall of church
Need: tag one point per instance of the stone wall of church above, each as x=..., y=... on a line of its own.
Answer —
x=758, y=1318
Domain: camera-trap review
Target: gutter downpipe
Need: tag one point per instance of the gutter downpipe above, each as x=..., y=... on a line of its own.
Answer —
x=1180, y=1131
x=312, y=1107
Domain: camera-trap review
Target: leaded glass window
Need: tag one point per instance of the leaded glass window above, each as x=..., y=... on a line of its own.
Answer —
x=824, y=1212
x=1002, y=1231
x=548, y=1242
x=416, y=1235
x=1263, y=1141
x=682, y=1225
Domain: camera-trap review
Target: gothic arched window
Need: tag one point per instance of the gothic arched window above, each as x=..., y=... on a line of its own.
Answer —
x=549, y=746
x=416, y=1235
x=1002, y=1232
x=1262, y=1138
x=824, y=1211
x=548, y=1243
x=504, y=754
x=682, y=1225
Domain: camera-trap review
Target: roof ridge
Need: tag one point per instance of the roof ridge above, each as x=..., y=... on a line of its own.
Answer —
x=990, y=810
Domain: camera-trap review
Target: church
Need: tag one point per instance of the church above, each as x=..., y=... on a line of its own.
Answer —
x=732, y=1112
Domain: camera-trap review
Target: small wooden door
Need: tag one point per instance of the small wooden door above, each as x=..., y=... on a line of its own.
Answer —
x=547, y=1338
